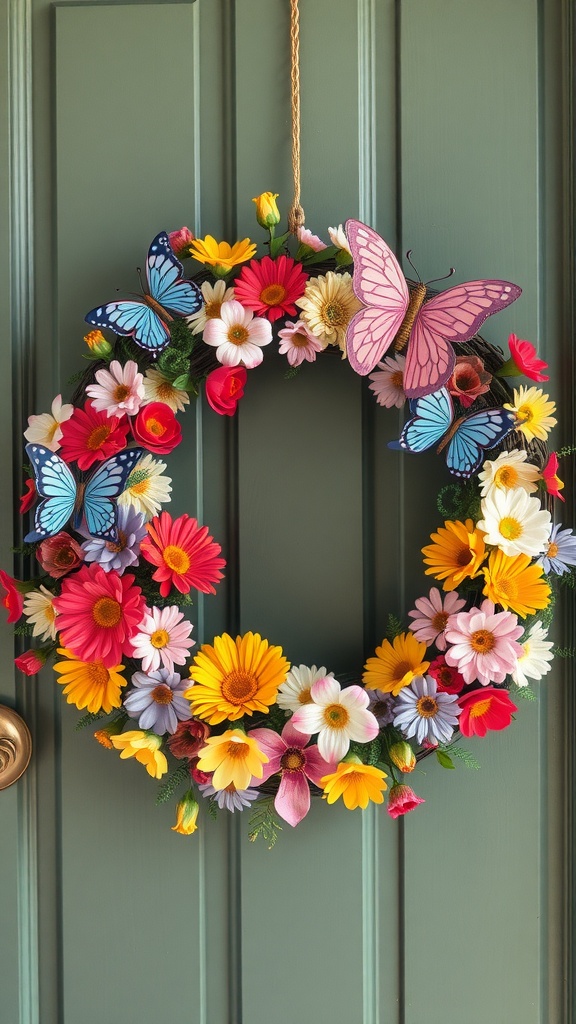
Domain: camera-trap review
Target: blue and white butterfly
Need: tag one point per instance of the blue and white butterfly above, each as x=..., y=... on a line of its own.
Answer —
x=465, y=439
x=168, y=292
x=65, y=498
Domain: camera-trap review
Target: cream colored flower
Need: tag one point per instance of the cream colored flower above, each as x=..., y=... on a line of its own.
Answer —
x=146, y=489
x=45, y=429
x=40, y=613
x=514, y=522
x=328, y=305
x=509, y=470
x=157, y=388
x=214, y=295
x=338, y=238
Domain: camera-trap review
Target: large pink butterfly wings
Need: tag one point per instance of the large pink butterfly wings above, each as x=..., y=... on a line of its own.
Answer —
x=452, y=316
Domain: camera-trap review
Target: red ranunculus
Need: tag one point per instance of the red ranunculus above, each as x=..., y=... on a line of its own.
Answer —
x=448, y=679
x=29, y=496
x=484, y=709
x=189, y=738
x=225, y=388
x=30, y=662
x=12, y=599
x=59, y=555
x=156, y=428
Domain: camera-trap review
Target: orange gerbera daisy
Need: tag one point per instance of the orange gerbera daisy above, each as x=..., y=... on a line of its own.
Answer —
x=396, y=664
x=235, y=677
x=457, y=553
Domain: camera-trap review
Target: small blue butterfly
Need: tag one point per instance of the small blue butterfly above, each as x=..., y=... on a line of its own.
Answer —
x=466, y=438
x=64, y=496
x=167, y=291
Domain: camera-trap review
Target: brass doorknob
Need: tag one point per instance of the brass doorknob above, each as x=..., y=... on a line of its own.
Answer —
x=15, y=746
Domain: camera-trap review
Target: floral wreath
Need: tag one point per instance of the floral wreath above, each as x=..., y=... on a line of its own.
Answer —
x=244, y=728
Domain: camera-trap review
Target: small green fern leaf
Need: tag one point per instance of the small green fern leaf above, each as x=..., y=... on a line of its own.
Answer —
x=263, y=823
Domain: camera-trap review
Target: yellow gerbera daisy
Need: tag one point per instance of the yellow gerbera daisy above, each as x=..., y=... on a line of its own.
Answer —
x=145, y=748
x=328, y=305
x=457, y=553
x=221, y=255
x=534, y=412
x=396, y=664
x=356, y=783
x=89, y=684
x=515, y=584
x=235, y=677
x=234, y=758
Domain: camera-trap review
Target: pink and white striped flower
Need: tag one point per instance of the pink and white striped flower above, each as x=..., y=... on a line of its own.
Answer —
x=338, y=716
x=119, y=391
x=431, y=615
x=162, y=639
x=290, y=755
x=484, y=643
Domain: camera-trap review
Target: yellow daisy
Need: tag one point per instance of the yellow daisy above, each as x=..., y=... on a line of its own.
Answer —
x=89, y=684
x=234, y=758
x=356, y=783
x=395, y=664
x=457, y=553
x=534, y=412
x=145, y=748
x=515, y=584
x=221, y=255
x=235, y=677
x=328, y=305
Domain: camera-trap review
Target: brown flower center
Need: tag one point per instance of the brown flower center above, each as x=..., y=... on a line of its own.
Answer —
x=305, y=697
x=119, y=544
x=162, y=694
x=238, y=334
x=438, y=621
x=334, y=314
x=299, y=340
x=97, y=673
x=212, y=310
x=121, y=393
x=482, y=641
x=552, y=550
x=336, y=716
x=98, y=436
x=427, y=707
x=176, y=559
x=292, y=760
x=400, y=670
x=397, y=379
x=273, y=294
x=239, y=686
x=464, y=556
x=165, y=390
x=237, y=750
x=107, y=612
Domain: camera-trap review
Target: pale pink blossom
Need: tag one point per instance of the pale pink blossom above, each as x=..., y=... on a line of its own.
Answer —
x=290, y=755
x=119, y=391
x=238, y=335
x=388, y=382
x=45, y=429
x=338, y=716
x=305, y=237
x=484, y=644
x=430, y=616
x=162, y=639
x=298, y=343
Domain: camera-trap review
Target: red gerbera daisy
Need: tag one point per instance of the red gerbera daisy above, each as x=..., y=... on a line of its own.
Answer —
x=98, y=614
x=90, y=436
x=185, y=554
x=271, y=287
x=487, y=708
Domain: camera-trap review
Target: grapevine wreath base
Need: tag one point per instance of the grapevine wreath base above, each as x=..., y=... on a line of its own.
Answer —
x=241, y=727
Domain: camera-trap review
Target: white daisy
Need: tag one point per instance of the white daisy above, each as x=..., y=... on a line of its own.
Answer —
x=509, y=470
x=515, y=522
x=338, y=238
x=119, y=389
x=338, y=716
x=295, y=691
x=238, y=335
x=425, y=714
x=157, y=388
x=214, y=295
x=146, y=489
x=162, y=639
x=40, y=613
x=45, y=428
x=535, y=662
x=387, y=382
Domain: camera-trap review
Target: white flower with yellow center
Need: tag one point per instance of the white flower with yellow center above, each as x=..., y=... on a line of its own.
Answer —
x=514, y=522
x=535, y=662
x=40, y=613
x=162, y=639
x=238, y=335
x=328, y=305
x=509, y=470
x=146, y=489
x=296, y=690
x=214, y=295
x=45, y=429
x=157, y=388
x=338, y=716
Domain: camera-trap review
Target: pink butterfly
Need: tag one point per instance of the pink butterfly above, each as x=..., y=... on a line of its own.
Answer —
x=432, y=326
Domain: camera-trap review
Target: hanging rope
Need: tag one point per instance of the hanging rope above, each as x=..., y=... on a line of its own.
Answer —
x=296, y=214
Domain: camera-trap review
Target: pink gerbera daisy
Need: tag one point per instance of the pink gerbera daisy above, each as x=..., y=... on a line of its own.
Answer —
x=98, y=614
x=90, y=436
x=271, y=287
x=431, y=615
x=298, y=343
x=119, y=391
x=484, y=644
x=163, y=639
x=184, y=552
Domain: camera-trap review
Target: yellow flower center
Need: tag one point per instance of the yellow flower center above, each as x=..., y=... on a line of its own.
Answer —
x=439, y=620
x=153, y=426
x=159, y=638
x=506, y=476
x=427, y=707
x=212, y=310
x=49, y=613
x=292, y=760
x=239, y=686
x=139, y=481
x=120, y=393
x=400, y=670
x=238, y=334
x=525, y=413
x=506, y=587
x=305, y=697
x=482, y=641
x=97, y=673
x=334, y=314
x=107, y=612
x=336, y=716
x=273, y=294
x=53, y=430
x=162, y=694
x=237, y=750
x=176, y=559
x=117, y=545
x=552, y=550
x=97, y=437
x=510, y=528
x=480, y=708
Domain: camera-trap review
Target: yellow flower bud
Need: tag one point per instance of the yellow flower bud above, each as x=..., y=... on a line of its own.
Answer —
x=186, y=814
x=267, y=213
x=402, y=755
x=97, y=344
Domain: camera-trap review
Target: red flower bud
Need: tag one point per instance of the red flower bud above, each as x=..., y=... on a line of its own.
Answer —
x=30, y=662
x=225, y=388
x=402, y=799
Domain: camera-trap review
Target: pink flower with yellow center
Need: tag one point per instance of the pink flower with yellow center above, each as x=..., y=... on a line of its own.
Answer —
x=119, y=390
x=431, y=615
x=338, y=716
x=291, y=756
x=98, y=614
x=163, y=639
x=484, y=644
x=185, y=554
x=270, y=287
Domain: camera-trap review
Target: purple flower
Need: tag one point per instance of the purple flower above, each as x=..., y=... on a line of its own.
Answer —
x=157, y=701
x=382, y=706
x=561, y=551
x=231, y=798
x=123, y=552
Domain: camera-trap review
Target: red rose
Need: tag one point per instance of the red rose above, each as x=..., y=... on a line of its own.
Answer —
x=59, y=555
x=156, y=428
x=189, y=738
x=12, y=600
x=225, y=388
x=30, y=662
x=29, y=496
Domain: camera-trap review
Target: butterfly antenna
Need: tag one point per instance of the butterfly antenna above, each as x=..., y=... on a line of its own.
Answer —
x=445, y=278
x=139, y=272
x=408, y=255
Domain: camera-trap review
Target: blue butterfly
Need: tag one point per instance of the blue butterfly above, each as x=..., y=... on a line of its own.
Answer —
x=144, y=321
x=64, y=496
x=466, y=438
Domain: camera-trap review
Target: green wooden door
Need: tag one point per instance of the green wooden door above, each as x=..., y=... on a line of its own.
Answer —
x=438, y=121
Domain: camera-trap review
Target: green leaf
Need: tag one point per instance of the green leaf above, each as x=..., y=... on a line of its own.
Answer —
x=444, y=759
x=180, y=775
x=213, y=809
x=330, y=253
x=89, y=719
x=343, y=258
x=263, y=823
x=393, y=628
x=182, y=382
x=524, y=692
x=465, y=756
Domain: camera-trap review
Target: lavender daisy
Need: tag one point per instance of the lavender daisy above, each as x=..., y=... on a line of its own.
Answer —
x=382, y=706
x=426, y=714
x=157, y=701
x=561, y=551
x=230, y=798
x=121, y=553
